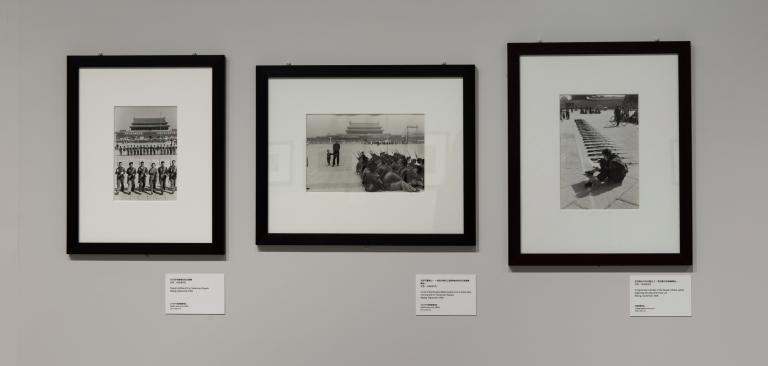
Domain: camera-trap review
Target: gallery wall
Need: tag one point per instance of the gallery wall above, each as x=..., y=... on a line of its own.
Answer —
x=9, y=180
x=355, y=306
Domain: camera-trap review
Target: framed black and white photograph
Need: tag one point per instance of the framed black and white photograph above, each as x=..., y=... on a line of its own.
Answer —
x=365, y=155
x=585, y=115
x=145, y=154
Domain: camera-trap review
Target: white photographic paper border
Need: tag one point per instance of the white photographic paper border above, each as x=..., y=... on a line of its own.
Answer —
x=437, y=210
x=655, y=226
x=103, y=219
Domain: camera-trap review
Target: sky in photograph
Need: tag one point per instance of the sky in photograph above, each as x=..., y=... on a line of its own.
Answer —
x=124, y=115
x=332, y=124
x=588, y=96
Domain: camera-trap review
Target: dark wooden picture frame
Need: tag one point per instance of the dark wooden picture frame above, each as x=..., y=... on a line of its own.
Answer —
x=217, y=64
x=683, y=51
x=265, y=73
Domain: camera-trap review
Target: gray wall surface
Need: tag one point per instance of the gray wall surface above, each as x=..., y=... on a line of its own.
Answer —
x=9, y=180
x=355, y=307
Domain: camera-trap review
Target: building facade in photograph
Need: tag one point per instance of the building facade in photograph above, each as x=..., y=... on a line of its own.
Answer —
x=371, y=132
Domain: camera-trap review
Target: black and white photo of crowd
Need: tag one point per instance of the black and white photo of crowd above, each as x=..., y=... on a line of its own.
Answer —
x=145, y=153
x=365, y=153
x=599, y=151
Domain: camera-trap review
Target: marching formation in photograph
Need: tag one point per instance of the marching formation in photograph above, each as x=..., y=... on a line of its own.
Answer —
x=145, y=153
x=599, y=159
x=365, y=152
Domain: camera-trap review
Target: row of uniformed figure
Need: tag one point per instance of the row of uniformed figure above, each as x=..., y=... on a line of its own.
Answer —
x=132, y=150
x=566, y=112
x=620, y=114
x=158, y=176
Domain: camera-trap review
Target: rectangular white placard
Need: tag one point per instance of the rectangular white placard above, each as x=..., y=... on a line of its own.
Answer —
x=668, y=295
x=194, y=293
x=446, y=294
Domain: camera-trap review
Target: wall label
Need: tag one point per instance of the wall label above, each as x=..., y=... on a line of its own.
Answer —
x=194, y=293
x=446, y=294
x=667, y=295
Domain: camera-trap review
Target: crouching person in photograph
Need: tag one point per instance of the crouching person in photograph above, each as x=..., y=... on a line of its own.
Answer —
x=612, y=170
x=373, y=182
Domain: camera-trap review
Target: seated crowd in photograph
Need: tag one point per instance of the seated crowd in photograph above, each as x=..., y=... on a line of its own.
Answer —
x=161, y=177
x=390, y=172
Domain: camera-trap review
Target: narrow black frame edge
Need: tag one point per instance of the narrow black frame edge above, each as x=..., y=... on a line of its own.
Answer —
x=262, y=149
x=624, y=259
x=321, y=239
x=73, y=143
x=217, y=63
x=680, y=48
x=465, y=72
